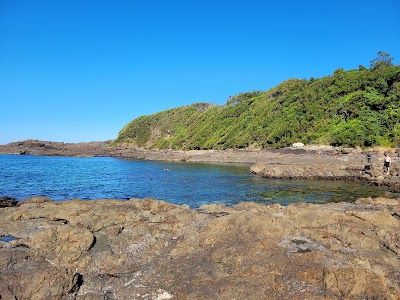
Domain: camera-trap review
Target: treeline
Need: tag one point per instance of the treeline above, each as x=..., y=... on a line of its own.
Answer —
x=350, y=108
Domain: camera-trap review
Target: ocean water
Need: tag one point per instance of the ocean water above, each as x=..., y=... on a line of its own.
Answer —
x=195, y=184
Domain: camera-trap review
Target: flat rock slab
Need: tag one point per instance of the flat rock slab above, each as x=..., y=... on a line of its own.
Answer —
x=149, y=249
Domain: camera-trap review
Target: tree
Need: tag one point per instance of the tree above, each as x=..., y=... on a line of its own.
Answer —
x=383, y=60
x=233, y=100
x=361, y=68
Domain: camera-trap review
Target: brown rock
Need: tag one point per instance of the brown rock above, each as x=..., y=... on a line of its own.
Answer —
x=306, y=171
x=35, y=199
x=111, y=249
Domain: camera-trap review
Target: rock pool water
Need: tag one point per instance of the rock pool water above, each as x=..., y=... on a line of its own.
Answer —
x=195, y=184
x=7, y=238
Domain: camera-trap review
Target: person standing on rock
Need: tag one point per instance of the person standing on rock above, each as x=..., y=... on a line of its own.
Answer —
x=386, y=163
x=369, y=158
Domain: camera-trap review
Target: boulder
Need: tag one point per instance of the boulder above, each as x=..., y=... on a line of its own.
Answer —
x=298, y=145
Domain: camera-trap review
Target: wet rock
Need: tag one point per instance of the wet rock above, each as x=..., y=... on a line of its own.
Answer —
x=7, y=202
x=148, y=249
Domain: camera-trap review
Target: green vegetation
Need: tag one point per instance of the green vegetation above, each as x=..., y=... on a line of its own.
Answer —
x=351, y=108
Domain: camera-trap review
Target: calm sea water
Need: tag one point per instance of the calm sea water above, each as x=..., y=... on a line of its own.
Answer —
x=195, y=184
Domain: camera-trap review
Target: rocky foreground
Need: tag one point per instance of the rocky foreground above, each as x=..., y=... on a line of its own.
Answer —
x=148, y=249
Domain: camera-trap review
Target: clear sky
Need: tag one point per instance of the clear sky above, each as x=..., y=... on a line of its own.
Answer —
x=79, y=70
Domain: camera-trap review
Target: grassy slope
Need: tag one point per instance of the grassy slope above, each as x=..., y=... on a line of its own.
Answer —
x=350, y=108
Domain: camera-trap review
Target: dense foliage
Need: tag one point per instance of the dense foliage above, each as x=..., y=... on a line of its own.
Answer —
x=351, y=108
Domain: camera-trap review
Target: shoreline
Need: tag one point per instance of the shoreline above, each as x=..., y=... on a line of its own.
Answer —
x=168, y=251
x=308, y=162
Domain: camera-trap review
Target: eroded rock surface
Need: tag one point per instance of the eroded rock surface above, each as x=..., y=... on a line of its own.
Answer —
x=148, y=249
x=308, y=171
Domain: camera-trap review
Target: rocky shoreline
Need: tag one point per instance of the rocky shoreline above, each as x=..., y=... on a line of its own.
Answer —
x=154, y=250
x=149, y=249
x=308, y=162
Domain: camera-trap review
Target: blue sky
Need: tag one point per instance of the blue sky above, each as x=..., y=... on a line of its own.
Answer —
x=77, y=71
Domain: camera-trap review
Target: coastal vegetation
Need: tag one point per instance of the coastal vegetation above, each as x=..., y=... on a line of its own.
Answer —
x=354, y=108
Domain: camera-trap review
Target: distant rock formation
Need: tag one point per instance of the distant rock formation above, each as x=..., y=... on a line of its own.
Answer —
x=36, y=147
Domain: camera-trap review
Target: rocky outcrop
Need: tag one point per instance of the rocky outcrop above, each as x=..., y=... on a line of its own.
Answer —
x=343, y=166
x=308, y=171
x=36, y=147
x=373, y=173
x=148, y=249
